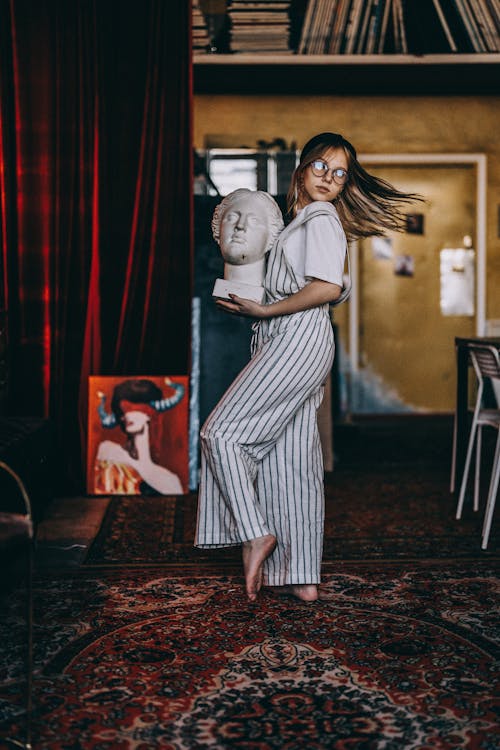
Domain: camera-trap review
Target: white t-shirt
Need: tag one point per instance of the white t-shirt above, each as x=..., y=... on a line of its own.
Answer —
x=317, y=248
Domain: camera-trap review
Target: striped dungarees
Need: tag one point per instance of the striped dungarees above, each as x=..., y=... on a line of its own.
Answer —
x=261, y=463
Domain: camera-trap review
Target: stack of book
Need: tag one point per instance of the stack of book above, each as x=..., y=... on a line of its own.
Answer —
x=361, y=27
x=260, y=26
x=201, y=41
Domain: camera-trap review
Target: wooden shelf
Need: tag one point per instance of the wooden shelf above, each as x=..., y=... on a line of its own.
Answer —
x=348, y=74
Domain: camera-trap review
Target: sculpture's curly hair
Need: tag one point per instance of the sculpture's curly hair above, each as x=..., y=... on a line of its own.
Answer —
x=276, y=222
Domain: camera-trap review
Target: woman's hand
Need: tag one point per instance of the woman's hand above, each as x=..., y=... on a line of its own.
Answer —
x=314, y=294
x=241, y=306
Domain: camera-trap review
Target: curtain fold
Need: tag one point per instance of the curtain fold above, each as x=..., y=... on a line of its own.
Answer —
x=95, y=200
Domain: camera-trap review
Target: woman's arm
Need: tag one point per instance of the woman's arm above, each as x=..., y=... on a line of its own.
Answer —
x=314, y=294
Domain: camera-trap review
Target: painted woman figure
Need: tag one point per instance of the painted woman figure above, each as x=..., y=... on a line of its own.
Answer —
x=129, y=469
x=262, y=471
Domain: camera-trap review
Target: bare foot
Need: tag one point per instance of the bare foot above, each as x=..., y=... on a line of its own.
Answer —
x=306, y=592
x=254, y=553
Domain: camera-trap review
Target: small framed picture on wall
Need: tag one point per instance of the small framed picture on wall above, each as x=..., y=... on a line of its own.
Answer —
x=404, y=265
x=415, y=223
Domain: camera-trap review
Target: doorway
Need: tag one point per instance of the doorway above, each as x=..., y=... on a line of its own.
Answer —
x=396, y=336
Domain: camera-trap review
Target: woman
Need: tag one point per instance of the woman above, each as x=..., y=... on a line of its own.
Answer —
x=262, y=471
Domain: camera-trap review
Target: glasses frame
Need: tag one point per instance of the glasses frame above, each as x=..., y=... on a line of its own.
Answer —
x=338, y=180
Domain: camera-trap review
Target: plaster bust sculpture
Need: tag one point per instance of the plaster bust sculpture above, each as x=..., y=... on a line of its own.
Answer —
x=245, y=225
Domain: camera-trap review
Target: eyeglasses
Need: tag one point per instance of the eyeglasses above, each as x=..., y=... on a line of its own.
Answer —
x=320, y=169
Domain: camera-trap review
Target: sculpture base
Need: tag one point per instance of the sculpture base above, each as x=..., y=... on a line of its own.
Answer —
x=223, y=288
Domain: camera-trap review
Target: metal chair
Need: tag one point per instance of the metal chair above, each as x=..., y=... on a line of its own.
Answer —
x=486, y=362
x=17, y=535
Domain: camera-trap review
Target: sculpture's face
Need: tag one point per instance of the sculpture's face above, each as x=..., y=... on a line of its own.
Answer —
x=244, y=231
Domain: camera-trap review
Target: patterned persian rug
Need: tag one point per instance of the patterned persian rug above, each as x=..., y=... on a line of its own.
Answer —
x=382, y=512
x=399, y=655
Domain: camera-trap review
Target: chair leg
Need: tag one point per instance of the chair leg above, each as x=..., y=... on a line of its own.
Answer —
x=453, y=455
x=465, y=475
x=477, y=478
x=492, y=495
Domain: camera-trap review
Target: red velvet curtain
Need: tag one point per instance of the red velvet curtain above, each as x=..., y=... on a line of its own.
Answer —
x=95, y=199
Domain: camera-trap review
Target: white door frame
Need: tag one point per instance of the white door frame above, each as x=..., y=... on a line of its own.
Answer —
x=479, y=160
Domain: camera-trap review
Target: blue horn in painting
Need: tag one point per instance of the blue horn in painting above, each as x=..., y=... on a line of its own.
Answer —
x=167, y=403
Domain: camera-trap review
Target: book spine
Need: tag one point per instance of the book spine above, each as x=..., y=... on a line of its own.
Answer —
x=385, y=22
x=402, y=30
x=303, y=47
x=361, y=40
x=374, y=27
x=313, y=40
x=483, y=21
x=395, y=25
x=493, y=7
x=339, y=26
x=320, y=27
x=469, y=25
x=323, y=26
x=329, y=28
x=353, y=26
x=444, y=24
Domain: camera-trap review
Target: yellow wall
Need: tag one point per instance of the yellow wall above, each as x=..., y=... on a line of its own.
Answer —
x=382, y=125
x=373, y=125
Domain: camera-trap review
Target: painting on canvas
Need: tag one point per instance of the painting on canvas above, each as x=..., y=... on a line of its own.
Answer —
x=138, y=442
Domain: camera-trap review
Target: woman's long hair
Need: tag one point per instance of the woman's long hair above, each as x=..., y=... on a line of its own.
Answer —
x=367, y=205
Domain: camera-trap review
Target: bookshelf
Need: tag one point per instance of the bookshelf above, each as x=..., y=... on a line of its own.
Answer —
x=344, y=47
x=348, y=74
